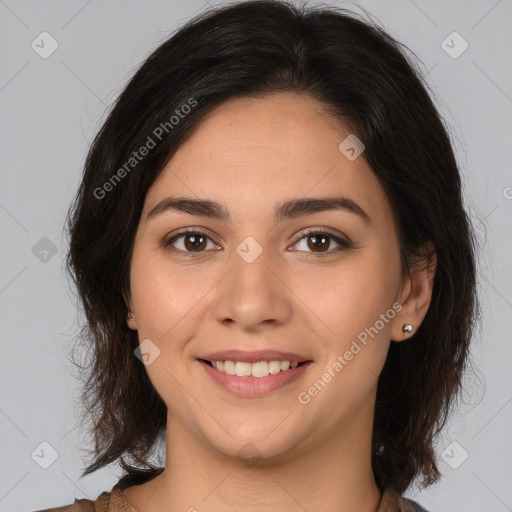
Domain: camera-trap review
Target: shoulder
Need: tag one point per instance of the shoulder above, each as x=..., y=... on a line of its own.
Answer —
x=113, y=501
x=412, y=506
x=101, y=504
x=394, y=502
x=77, y=506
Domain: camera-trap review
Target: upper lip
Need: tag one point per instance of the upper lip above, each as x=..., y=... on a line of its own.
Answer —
x=254, y=357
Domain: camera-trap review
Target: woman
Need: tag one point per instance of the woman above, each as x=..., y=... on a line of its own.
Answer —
x=277, y=270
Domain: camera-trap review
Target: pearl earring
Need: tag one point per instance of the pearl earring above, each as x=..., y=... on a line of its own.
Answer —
x=407, y=328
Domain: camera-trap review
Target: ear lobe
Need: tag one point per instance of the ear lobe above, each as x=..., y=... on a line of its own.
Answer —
x=415, y=297
x=131, y=321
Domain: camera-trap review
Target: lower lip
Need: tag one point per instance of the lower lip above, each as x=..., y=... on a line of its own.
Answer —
x=255, y=386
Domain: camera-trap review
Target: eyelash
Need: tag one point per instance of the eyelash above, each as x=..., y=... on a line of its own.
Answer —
x=343, y=244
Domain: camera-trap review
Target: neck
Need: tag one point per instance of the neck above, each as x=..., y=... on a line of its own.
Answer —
x=329, y=476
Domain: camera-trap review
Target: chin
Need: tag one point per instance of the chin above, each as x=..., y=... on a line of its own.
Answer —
x=252, y=445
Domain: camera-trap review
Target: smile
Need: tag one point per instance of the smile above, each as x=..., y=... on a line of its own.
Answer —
x=259, y=369
x=254, y=379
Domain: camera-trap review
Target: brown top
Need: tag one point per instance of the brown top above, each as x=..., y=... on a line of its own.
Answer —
x=115, y=501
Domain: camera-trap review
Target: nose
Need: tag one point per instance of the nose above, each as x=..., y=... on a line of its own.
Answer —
x=252, y=295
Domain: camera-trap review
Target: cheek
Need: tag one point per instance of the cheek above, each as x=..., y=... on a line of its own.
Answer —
x=352, y=295
x=164, y=297
x=355, y=304
x=356, y=312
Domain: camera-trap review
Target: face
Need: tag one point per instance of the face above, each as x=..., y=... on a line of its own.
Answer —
x=319, y=287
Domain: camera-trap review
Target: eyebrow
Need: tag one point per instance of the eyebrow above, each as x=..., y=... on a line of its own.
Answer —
x=283, y=210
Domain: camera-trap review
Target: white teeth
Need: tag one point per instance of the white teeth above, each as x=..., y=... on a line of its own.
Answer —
x=259, y=369
x=243, y=369
x=229, y=367
x=274, y=367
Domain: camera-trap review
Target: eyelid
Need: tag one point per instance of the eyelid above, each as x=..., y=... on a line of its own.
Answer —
x=168, y=240
x=339, y=238
x=319, y=230
x=344, y=243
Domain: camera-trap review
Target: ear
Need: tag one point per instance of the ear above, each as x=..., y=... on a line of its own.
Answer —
x=415, y=295
x=131, y=319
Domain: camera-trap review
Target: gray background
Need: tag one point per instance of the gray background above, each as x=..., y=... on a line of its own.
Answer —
x=50, y=110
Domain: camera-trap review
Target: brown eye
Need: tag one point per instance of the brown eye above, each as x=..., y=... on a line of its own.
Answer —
x=189, y=242
x=320, y=243
x=195, y=242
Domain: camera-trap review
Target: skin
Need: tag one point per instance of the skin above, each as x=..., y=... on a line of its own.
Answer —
x=248, y=154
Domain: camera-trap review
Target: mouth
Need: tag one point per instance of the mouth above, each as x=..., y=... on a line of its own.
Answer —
x=258, y=370
x=254, y=374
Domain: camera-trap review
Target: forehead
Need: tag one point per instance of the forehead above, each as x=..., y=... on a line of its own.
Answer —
x=249, y=151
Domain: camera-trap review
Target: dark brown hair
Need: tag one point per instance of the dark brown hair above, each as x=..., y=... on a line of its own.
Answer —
x=365, y=79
